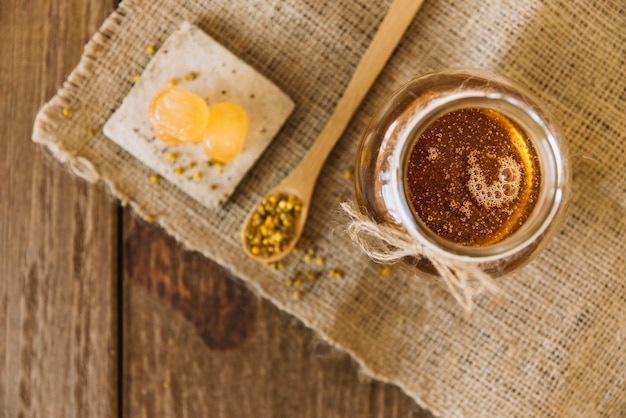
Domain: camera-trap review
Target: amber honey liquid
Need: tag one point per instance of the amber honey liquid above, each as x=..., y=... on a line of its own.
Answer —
x=473, y=176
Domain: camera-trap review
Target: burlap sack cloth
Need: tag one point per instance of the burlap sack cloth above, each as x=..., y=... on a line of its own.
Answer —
x=555, y=345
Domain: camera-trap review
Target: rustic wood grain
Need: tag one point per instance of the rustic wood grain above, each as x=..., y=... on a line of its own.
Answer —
x=58, y=301
x=197, y=342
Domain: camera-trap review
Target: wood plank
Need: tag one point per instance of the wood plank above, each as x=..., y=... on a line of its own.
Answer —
x=197, y=342
x=58, y=278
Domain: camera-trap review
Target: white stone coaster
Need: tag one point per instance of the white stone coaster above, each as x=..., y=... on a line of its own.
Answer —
x=221, y=77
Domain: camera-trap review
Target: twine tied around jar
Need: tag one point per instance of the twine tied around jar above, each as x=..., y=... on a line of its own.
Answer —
x=387, y=245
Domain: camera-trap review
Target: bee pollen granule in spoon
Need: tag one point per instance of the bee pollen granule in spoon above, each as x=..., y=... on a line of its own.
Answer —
x=272, y=225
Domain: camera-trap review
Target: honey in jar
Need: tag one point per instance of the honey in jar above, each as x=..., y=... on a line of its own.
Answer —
x=467, y=164
x=473, y=176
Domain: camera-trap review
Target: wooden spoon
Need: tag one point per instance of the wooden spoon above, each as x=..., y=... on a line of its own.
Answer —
x=302, y=179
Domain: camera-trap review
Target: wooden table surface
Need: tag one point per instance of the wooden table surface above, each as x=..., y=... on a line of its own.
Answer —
x=104, y=315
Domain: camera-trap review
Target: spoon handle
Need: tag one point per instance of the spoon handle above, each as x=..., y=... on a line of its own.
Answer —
x=395, y=23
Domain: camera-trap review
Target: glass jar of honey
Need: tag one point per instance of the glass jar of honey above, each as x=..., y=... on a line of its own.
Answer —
x=468, y=164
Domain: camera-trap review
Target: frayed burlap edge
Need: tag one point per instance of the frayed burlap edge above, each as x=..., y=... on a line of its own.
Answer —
x=48, y=116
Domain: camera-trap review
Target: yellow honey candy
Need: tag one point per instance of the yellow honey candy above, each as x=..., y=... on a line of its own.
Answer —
x=226, y=132
x=178, y=116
